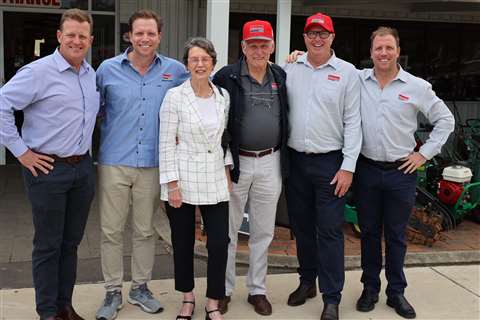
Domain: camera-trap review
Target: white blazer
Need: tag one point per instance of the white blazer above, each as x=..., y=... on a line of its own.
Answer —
x=197, y=163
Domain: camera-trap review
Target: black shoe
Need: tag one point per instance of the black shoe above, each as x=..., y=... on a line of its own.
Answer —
x=401, y=306
x=330, y=312
x=207, y=313
x=367, y=300
x=302, y=293
x=179, y=317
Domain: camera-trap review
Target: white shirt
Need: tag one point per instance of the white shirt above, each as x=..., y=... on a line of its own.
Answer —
x=208, y=115
x=389, y=116
x=325, y=108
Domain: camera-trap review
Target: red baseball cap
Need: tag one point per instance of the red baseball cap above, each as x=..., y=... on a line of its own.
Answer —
x=257, y=29
x=319, y=19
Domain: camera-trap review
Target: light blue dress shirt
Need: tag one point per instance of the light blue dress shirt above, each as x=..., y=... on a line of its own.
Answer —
x=60, y=106
x=389, y=117
x=130, y=107
x=325, y=108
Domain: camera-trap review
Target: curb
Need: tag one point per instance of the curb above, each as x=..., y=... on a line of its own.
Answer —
x=162, y=227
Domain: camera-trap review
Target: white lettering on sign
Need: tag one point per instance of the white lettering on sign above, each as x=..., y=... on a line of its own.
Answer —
x=32, y=3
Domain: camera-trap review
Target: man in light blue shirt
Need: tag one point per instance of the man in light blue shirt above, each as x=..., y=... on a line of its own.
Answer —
x=325, y=139
x=132, y=87
x=60, y=104
x=385, y=179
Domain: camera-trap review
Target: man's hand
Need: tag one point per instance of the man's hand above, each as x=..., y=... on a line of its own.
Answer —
x=32, y=160
x=343, y=179
x=292, y=57
x=412, y=162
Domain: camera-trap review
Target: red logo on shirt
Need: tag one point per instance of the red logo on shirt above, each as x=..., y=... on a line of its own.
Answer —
x=403, y=97
x=274, y=86
x=167, y=76
x=333, y=77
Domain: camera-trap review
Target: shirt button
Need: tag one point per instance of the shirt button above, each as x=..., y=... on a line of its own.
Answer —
x=139, y=142
x=209, y=151
x=144, y=84
x=141, y=129
x=143, y=99
x=143, y=114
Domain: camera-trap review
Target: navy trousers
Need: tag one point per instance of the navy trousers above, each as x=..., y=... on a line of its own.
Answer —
x=384, y=199
x=316, y=219
x=60, y=205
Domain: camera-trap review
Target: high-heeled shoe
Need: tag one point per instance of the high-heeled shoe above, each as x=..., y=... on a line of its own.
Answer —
x=179, y=317
x=207, y=313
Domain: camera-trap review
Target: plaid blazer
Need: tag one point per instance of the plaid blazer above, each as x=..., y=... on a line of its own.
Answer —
x=196, y=162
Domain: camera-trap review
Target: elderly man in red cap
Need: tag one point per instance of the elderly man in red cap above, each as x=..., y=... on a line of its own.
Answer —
x=324, y=143
x=258, y=128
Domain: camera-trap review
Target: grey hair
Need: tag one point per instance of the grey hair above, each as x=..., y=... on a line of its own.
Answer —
x=201, y=43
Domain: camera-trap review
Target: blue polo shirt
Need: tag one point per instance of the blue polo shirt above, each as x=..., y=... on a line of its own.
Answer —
x=130, y=104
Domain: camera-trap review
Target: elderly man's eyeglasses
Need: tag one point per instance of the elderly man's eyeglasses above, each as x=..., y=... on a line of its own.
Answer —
x=314, y=34
x=196, y=60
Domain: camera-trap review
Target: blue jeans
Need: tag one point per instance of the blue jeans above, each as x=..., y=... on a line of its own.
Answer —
x=384, y=199
x=316, y=218
x=60, y=206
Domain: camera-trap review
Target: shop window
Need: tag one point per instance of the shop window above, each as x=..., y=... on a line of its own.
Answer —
x=104, y=39
x=103, y=5
x=80, y=4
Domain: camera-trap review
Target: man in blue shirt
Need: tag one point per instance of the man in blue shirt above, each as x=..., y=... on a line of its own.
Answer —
x=132, y=87
x=58, y=97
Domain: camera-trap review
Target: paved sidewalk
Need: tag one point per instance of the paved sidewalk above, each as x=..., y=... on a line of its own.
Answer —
x=448, y=292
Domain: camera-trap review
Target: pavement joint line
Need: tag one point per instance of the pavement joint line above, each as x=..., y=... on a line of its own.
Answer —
x=456, y=282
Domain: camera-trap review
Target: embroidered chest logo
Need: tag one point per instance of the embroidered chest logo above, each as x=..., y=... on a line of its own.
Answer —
x=333, y=77
x=167, y=76
x=403, y=97
x=274, y=86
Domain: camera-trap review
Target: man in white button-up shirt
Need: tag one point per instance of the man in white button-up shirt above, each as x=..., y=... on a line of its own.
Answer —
x=325, y=139
x=385, y=178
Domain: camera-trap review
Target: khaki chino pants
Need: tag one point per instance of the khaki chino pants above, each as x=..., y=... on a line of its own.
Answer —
x=118, y=187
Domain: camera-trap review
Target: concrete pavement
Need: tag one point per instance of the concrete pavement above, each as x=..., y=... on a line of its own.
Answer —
x=445, y=292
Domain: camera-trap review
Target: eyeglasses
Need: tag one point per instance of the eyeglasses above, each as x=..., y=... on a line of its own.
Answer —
x=196, y=60
x=313, y=34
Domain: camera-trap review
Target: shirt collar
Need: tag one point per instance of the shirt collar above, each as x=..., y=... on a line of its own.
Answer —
x=63, y=64
x=402, y=75
x=124, y=56
x=332, y=61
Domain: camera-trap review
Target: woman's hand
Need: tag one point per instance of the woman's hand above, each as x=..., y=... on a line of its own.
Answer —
x=174, y=195
x=229, y=180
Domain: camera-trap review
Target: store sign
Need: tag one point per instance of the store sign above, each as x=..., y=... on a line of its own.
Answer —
x=32, y=3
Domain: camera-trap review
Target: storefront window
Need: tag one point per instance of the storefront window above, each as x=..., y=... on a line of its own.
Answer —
x=104, y=39
x=103, y=5
x=80, y=4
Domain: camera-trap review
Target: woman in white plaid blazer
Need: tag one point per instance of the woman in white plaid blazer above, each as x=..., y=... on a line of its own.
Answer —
x=195, y=170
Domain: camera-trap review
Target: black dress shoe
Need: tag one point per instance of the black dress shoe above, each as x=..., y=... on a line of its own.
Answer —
x=401, y=306
x=302, y=293
x=330, y=312
x=68, y=313
x=367, y=300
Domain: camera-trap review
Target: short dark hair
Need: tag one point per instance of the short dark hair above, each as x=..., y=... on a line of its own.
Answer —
x=385, y=31
x=201, y=43
x=145, y=14
x=77, y=15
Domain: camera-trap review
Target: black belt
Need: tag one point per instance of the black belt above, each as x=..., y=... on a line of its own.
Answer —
x=257, y=154
x=382, y=164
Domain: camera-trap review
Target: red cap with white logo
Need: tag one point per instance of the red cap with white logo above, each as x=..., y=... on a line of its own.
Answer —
x=257, y=29
x=321, y=20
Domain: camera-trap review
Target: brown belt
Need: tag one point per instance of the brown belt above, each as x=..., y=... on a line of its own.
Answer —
x=70, y=160
x=257, y=154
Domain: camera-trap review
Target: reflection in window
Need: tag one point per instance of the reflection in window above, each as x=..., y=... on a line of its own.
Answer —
x=80, y=4
x=104, y=40
x=103, y=5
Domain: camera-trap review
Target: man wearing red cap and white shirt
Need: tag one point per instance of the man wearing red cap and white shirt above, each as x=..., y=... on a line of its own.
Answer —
x=324, y=143
x=258, y=127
